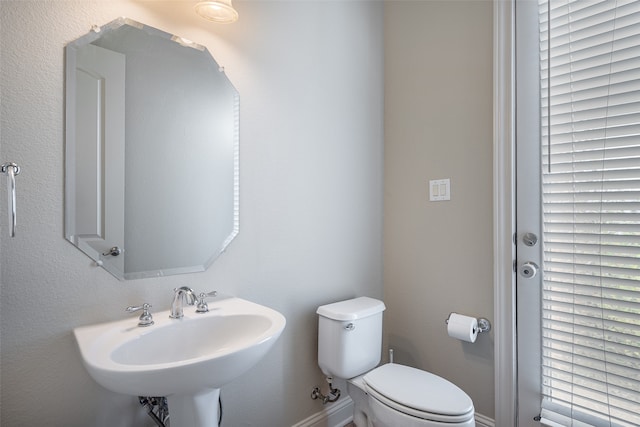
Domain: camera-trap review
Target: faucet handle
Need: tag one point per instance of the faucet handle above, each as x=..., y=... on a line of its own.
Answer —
x=202, y=305
x=145, y=319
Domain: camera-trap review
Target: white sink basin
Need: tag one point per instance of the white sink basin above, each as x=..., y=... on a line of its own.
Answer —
x=188, y=356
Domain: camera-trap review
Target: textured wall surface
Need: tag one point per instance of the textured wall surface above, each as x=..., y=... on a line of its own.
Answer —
x=438, y=124
x=310, y=76
x=310, y=80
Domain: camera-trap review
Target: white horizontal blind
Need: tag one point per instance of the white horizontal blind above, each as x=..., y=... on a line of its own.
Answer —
x=590, y=70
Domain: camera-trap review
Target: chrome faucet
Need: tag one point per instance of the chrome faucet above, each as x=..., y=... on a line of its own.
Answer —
x=179, y=299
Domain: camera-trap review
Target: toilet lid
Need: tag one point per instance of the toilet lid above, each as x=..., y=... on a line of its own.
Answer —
x=416, y=392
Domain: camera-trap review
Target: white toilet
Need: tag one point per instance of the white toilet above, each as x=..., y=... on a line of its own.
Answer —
x=391, y=395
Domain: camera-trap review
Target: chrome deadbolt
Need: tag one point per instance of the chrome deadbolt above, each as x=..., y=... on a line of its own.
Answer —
x=530, y=239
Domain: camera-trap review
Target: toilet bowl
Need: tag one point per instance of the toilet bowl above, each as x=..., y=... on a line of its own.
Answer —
x=391, y=395
x=416, y=398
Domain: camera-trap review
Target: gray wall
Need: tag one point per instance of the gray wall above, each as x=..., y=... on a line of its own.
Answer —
x=310, y=75
x=310, y=79
x=438, y=124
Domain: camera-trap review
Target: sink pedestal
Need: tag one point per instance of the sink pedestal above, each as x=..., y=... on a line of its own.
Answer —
x=194, y=410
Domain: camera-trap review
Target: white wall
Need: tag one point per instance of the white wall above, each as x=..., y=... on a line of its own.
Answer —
x=310, y=79
x=438, y=124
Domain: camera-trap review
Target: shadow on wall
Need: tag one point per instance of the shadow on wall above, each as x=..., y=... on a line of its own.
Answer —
x=406, y=353
x=481, y=350
x=403, y=351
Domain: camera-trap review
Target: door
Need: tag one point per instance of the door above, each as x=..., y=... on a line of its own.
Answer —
x=99, y=191
x=528, y=213
x=578, y=213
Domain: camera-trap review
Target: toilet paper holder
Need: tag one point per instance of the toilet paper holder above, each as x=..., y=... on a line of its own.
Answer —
x=483, y=324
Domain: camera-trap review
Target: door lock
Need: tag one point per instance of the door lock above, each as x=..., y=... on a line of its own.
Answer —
x=114, y=251
x=528, y=270
x=530, y=239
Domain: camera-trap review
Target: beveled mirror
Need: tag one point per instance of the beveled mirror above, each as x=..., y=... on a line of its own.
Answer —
x=152, y=145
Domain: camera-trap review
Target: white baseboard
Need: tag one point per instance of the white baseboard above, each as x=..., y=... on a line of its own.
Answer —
x=341, y=413
x=338, y=414
x=482, y=421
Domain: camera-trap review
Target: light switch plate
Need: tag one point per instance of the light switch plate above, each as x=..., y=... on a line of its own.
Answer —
x=439, y=190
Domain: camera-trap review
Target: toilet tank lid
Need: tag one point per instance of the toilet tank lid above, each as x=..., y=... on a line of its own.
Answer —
x=351, y=309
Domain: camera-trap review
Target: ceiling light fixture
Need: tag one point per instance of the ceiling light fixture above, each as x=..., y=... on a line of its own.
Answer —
x=219, y=11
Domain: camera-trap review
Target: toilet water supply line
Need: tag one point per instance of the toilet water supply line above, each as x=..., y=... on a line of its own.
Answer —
x=334, y=393
x=158, y=409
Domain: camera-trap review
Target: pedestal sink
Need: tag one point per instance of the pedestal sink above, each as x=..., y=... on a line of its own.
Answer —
x=187, y=360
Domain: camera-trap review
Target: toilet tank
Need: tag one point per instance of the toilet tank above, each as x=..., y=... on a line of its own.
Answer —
x=349, y=337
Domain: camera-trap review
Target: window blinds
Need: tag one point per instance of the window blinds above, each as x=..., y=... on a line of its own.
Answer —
x=590, y=86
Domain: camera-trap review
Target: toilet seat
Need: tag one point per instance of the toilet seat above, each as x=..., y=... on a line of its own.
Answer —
x=419, y=393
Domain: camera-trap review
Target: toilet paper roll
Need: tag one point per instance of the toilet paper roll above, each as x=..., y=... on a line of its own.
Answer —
x=461, y=327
